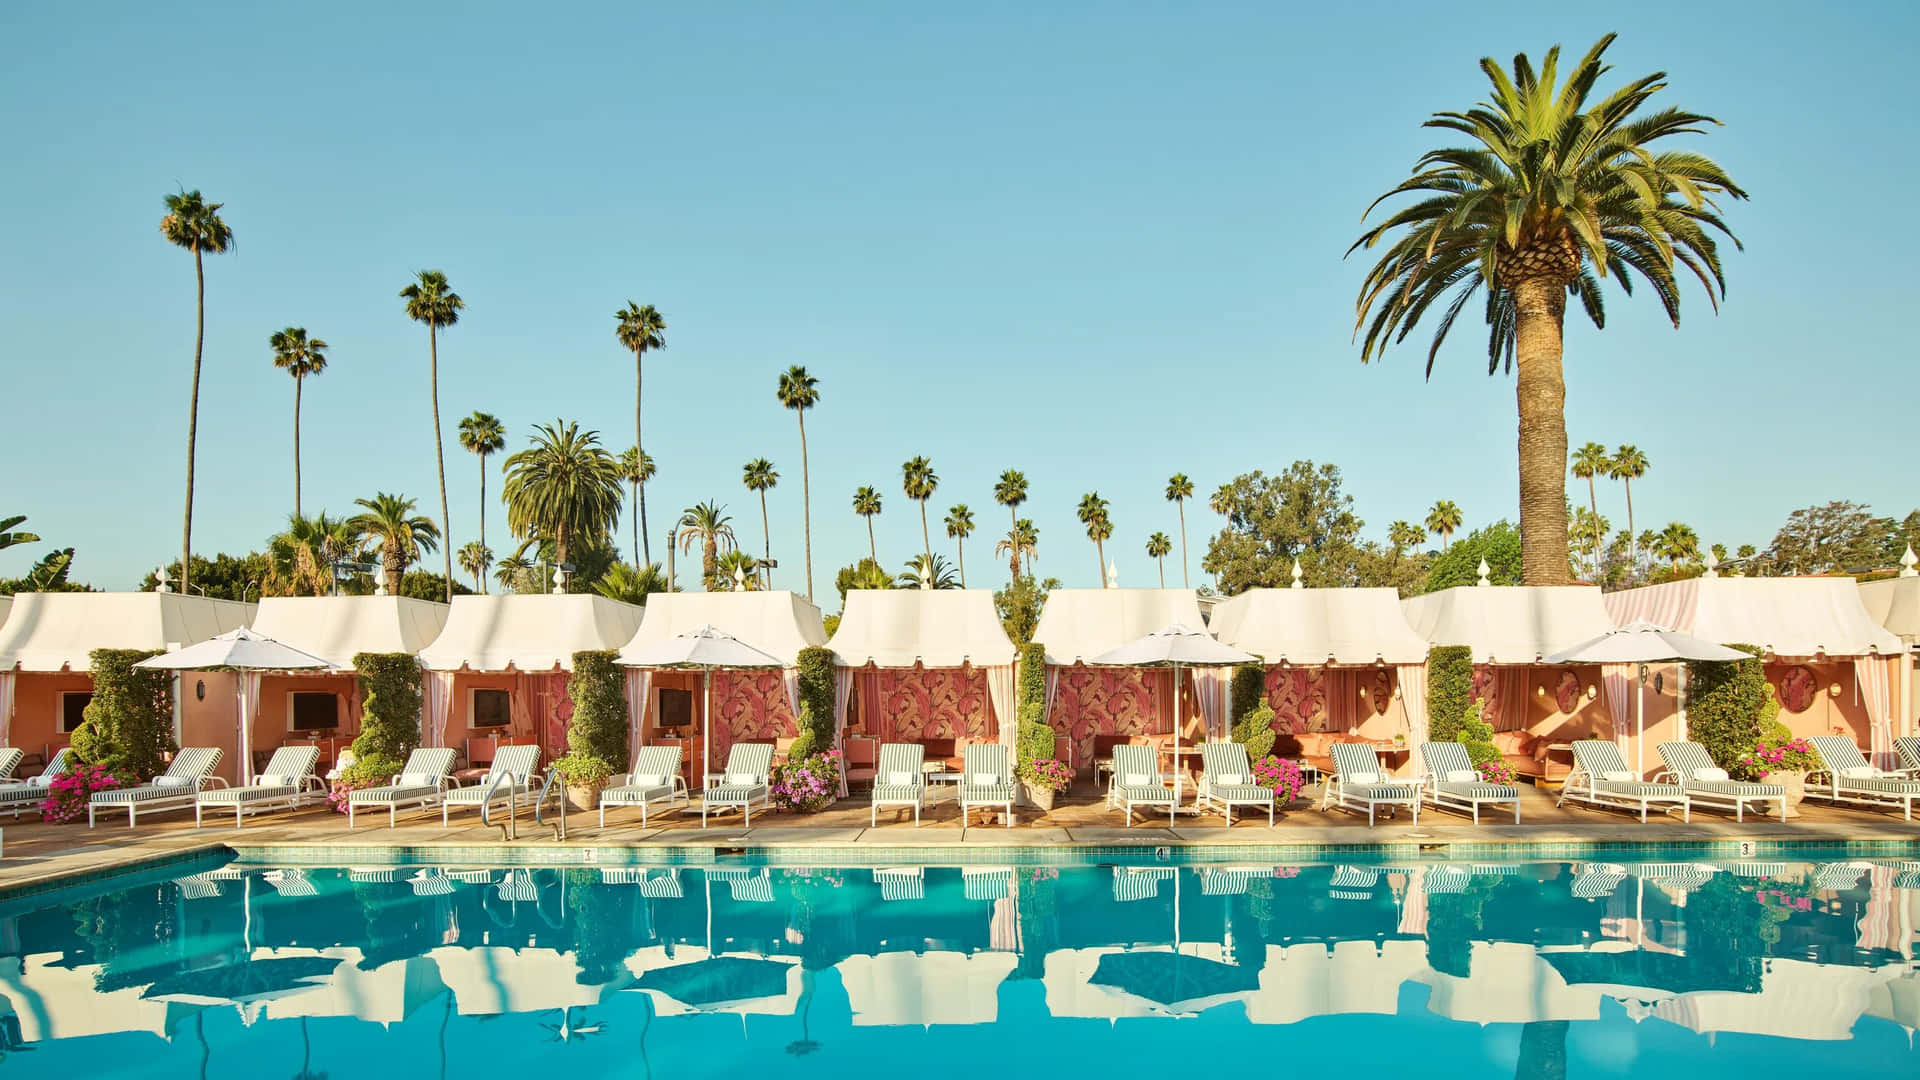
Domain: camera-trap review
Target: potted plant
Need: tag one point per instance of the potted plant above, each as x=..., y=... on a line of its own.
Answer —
x=806, y=785
x=597, y=730
x=1497, y=772
x=586, y=778
x=1283, y=775
x=1778, y=759
x=1043, y=778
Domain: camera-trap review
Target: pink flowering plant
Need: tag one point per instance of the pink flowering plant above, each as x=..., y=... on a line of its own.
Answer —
x=1283, y=775
x=808, y=785
x=67, y=796
x=1497, y=772
x=1774, y=754
x=1047, y=774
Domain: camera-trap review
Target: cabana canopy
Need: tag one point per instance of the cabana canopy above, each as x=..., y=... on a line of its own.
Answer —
x=776, y=622
x=1307, y=627
x=1077, y=625
x=1800, y=617
x=336, y=628
x=57, y=631
x=535, y=632
x=1510, y=624
x=1894, y=604
x=938, y=628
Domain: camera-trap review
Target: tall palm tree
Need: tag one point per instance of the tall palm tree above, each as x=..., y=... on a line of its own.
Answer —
x=432, y=301
x=919, y=481
x=1442, y=520
x=403, y=536
x=1553, y=192
x=709, y=524
x=482, y=434
x=1023, y=541
x=1093, y=514
x=959, y=527
x=737, y=570
x=510, y=571
x=1629, y=464
x=636, y=468
x=193, y=223
x=800, y=391
x=760, y=478
x=474, y=559
x=1179, y=490
x=300, y=561
x=1010, y=492
x=1677, y=542
x=299, y=356
x=642, y=330
x=1159, y=546
x=565, y=487
x=866, y=503
x=1403, y=535
x=1589, y=461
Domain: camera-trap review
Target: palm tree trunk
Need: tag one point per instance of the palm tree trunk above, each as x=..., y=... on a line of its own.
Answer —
x=639, y=457
x=709, y=559
x=193, y=414
x=562, y=542
x=1100, y=552
x=1540, y=306
x=1633, y=538
x=926, y=538
x=1163, y=567
x=872, y=552
x=481, y=578
x=960, y=548
x=766, y=536
x=1013, y=515
x=806, y=502
x=1593, y=507
x=1184, y=582
x=439, y=458
x=393, y=558
x=298, y=384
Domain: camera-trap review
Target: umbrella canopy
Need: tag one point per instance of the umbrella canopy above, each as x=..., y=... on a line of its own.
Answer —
x=706, y=647
x=1176, y=981
x=1174, y=646
x=242, y=649
x=254, y=980
x=720, y=981
x=1645, y=643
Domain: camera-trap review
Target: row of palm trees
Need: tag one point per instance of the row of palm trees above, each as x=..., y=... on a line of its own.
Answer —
x=1626, y=464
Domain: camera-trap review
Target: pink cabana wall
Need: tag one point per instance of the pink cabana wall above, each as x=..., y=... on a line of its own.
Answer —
x=919, y=703
x=1087, y=702
x=748, y=706
x=1357, y=701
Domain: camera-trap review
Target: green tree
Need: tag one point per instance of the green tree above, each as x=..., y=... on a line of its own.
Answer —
x=1837, y=537
x=800, y=391
x=10, y=538
x=482, y=435
x=1678, y=542
x=223, y=577
x=865, y=574
x=1019, y=605
x=597, y=736
x=1442, y=520
x=1589, y=461
x=1022, y=543
x=641, y=329
x=301, y=560
x=1403, y=535
x=959, y=527
x=1449, y=690
x=737, y=570
x=1179, y=490
x=127, y=728
x=866, y=503
x=1553, y=191
x=1093, y=514
x=475, y=558
x=637, y=468
x=1010, y=491
x=1498, y=544
x=708, y=524
x=939, y=572
x=1302, y=513
x=402, y=535
x=1159, y=546
x=760, y=477
x=919, y=481
x=432, y=301
x=629, y=585
x=195, y=224
x=389, y=715
x=1725, y=704
x=564, y=488
x=1629, y=464
x=299, y=356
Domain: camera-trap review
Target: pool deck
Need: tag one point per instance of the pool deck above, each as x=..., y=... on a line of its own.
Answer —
x=39, y=856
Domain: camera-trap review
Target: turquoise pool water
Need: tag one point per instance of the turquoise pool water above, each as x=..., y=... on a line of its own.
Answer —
x=1533, y=970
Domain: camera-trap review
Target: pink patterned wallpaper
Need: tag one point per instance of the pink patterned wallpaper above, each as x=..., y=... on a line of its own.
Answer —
x=1298, y=697
x=749, y=705
x=931, y=703
x=1104, y=701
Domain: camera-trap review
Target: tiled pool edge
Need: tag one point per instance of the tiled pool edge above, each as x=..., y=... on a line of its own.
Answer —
x=132, y=864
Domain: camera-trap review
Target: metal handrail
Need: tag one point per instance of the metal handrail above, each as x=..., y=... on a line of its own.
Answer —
x=540, y=804
x=511, y=830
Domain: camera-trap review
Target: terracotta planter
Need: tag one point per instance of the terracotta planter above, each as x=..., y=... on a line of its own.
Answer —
x=1796, y=785
x=1040, y=798
x=585, y=797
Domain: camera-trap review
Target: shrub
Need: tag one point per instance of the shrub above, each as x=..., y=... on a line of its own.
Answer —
x=128, y=726
x=1477, y=736
x=1254, y=730
x=1034, y=742
x=1771, y=755
x=1449, y=690
x=806, y=785
x=1727, y=703
x=1048, y=774
x=390, y=717
x=1249, y=689
x=805, y=744
x=815, y=668
x=68, y=796
x=1033, y=675
x=597, y=734
x=1283, y=775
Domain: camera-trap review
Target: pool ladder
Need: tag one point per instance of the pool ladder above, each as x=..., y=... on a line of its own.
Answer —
x=510, y=828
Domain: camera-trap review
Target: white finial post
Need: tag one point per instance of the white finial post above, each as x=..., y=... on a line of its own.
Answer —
x=163, y=586
x=926, y=576
x=1297, y=575
x=380, y=580
x=739, y=580
x=1113, y=574
x=1713, y=564
x=1485, y=571
x=1907, y=563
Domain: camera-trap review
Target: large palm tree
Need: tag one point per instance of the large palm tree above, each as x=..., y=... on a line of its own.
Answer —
x=760, y=478
x=636, y=468
x=1403, y=535
x=959, y=527
x=1010, y=492
x=1677, y=542
x=432, y=301
x=1629, y=464
x=1442, y=520
x=709, y=524
x=1159, y=546
x=1553, y=192
x=1022, y=542
x=299, y=356
x=193, y=223
x=474, y=558
x=866, y=503
x=919, y=481
x=481, y=435
x=403, y=536
x=1093, y=514
x=300, y=561
x=1179, y=490
x=565, y=487
x=800, y=391
x=625, y=583
x=1589, y=461
x=642, y=329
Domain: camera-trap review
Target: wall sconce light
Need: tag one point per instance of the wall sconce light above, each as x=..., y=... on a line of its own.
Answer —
x=200, y=690
x=1834, y=690
x=1593, y=692
x=1363, y=692
x=1540, y=691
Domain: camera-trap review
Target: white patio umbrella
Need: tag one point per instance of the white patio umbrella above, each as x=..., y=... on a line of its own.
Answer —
x=249, y=654
x=705, y=648
x=1644, y=643
x=1175, y=647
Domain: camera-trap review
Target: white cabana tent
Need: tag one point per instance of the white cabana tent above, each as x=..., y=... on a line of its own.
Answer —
x=1895, y=604
x=339, y=627
x=1310, y=979
x=249, y=654
x=1077, y=625
x=923, y=989
x=1508, y=983
x=935, y=634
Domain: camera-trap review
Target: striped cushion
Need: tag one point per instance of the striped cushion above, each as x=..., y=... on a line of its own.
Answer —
x=897, y=792
x=393, y=794
x=634, y=794
x=1380, y=792
x=476, y=794
x=990, y=793
x=1737, y=788
x=1640, y=789
x=735, y=793
x=1883, y=785
x=256, y=793
x=143, y=793
x=1146, y=794
x=1480, y=790
x=1239, y=793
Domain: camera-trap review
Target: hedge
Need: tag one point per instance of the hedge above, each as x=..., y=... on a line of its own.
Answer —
x=1034, y=738
x=1251, y=715
x=1449, y=690
x=389, y=715
x=597, y=735
x=1725, y=705
x=815, y=668
x=127, y=728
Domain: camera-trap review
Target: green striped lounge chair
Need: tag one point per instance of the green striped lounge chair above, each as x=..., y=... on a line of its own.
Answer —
x=744, y=782
x=176, y=789
x=898, y=780
x=1229, y=880
x=901, y=882
x=1906, y=746
x=10, y=758
x=515, y=762
x=198, y=887
x=1686, y=877
x=1360, y=783
x=986, y=779
x=1600, y=777
x=652, y=882
x=430, y=881
x=26, y=795
x=373, y=875
x=282, y=785
x=1759, y=871
x=1849, y=779
x=747, y=886
x=655, y=779
x=1227, y=780
x=1132, y=883
x=518, y=887
x=422, y=782
x=1689, y=765
x=1596, y=881
x=986, y=882
x=1138, y=781
x=1445, y=880
x=1840, y=876
x=1353, y=882
x=1454, y=783
x=290, y=881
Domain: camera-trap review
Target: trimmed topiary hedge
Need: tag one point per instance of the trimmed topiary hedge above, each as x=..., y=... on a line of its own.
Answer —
x=1727, y=705
x=1449, y=690
x=1034, y=740
x=815, y=668
x=389, y=716
x=1033, y=674
x=1249, y=689
x=128, y=726
x=597, y=735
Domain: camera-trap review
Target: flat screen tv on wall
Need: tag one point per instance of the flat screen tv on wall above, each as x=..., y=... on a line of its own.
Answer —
x=676, y=708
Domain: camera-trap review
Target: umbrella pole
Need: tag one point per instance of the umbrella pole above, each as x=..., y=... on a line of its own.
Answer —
x=1640, y=724
x=1176, y=764
x=706, y=726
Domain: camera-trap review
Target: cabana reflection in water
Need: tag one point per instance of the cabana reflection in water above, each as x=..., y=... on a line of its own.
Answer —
x=744, y=968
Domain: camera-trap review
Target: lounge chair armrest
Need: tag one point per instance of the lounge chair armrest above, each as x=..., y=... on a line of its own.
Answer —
x=211, y=781
x=619, y=779
x=1666, y=776
x=394, y=780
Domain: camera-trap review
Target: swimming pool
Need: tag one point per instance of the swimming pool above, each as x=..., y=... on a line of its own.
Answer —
x=1534, y=969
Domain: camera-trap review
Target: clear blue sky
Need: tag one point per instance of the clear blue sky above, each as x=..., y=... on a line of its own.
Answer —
x=1101, y=243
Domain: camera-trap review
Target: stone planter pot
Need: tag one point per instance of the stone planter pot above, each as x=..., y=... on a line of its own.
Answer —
x=1796, y=785
x=585, y=797
x=1039, y=798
